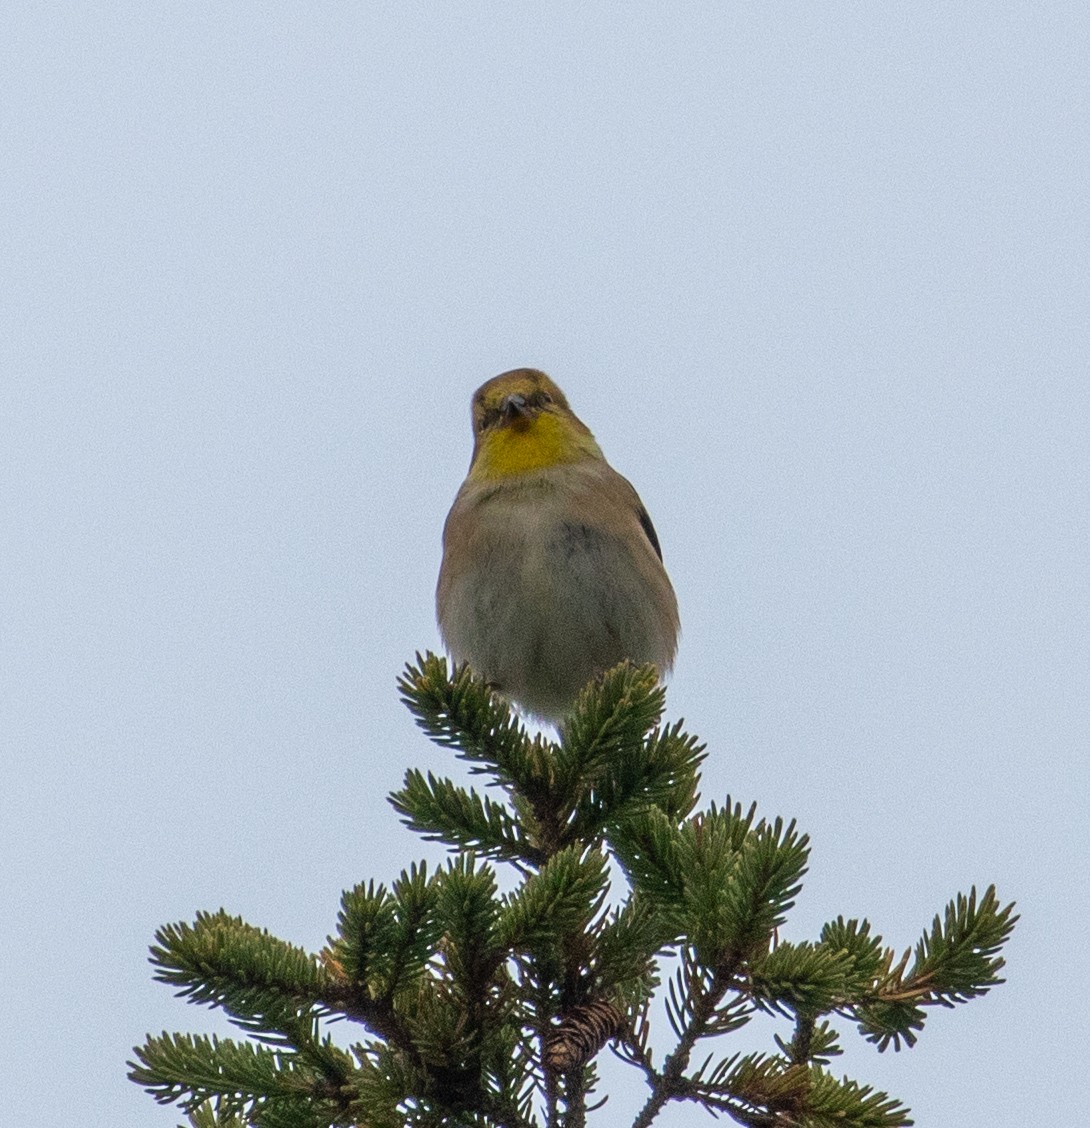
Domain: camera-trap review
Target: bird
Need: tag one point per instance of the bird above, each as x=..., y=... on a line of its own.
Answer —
x=552, y=571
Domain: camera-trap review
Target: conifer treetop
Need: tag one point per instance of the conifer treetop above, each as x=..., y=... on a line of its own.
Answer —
x=477, y=1007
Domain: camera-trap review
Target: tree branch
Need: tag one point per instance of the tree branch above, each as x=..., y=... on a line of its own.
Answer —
x=669, y=1084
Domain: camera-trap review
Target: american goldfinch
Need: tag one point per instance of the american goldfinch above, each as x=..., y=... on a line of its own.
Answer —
x=552, y=572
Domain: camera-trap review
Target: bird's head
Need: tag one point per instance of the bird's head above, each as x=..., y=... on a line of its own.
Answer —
x=522, y=422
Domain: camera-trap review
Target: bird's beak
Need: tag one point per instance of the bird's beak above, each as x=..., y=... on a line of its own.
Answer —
x=514, y=407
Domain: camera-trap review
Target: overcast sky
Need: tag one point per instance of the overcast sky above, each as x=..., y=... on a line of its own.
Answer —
x=816, y=277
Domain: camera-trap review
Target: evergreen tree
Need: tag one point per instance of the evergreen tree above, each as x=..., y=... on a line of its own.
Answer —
x=481, y=1008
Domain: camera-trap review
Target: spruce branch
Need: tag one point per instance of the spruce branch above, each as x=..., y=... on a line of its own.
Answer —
x=564, y=896
x=694, y=1014
x=612, y=716
x=626, y=944
x=484, y=1009
x=839, y=1103
x=954, y=962
x=872, y=963
x=659, y=771
x=459, y=711
x=263, y=984
x=805, y=977
x=210, y=1114
x=737, y=900
x=384, y=939
x=812, y=1041
x=959, y=959
x=648, y=847
x=440, y=810
x=239, y=1077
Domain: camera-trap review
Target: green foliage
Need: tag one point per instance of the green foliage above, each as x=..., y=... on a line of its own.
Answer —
x=384, y=940
x=476, y=1007
x=264, y=984
x=441, y=810
x=563, y=897
x=247, y=1082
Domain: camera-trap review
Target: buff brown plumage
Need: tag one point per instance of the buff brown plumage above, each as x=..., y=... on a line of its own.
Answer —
x=552, y=571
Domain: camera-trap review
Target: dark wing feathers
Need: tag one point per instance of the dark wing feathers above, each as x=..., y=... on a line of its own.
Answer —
x=649, y=529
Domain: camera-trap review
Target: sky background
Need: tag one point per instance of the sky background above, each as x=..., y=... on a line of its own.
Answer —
x=815, y=275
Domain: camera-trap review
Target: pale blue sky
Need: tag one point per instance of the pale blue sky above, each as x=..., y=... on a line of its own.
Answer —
x=816, y=277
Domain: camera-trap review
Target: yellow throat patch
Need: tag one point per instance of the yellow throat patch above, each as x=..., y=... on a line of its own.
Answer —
x=546, y=439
